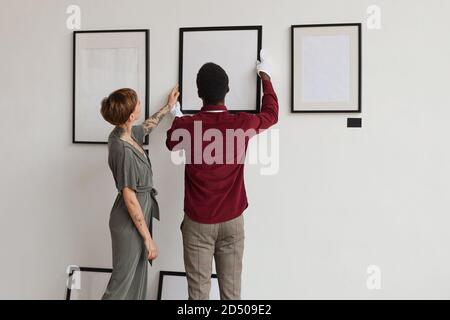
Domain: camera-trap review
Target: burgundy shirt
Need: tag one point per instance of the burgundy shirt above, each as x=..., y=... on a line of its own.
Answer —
x=214, y=189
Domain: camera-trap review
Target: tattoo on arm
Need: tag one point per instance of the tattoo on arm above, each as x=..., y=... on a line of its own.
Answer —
x=153, y=121
x=138, y=220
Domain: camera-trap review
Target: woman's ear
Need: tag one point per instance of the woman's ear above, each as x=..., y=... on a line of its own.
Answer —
x=132, y=117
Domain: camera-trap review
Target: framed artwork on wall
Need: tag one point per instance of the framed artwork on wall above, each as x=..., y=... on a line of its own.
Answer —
x=173, y=286
x=104, y=61
x=326, y=67
x=235, y=49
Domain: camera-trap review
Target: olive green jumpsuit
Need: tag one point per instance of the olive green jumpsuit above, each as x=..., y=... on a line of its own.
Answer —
x=131, y=169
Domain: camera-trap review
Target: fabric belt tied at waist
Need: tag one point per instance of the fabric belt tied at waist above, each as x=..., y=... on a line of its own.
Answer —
x=154, y=206
x=153, y=193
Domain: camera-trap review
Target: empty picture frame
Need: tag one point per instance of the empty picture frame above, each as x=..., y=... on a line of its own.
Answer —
x=173, y=286
x=236, y=50
x=326, y=68
x=104, y=61
x=92, y=283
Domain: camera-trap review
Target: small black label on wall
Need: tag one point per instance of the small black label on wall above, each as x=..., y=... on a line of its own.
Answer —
x=354, y=122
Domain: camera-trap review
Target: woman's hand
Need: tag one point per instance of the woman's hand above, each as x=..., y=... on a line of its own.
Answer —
x=173, y=97
x=153, y=121
x=151, y=247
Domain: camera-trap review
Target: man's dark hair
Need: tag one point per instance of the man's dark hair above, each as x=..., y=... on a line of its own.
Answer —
x=212, y=83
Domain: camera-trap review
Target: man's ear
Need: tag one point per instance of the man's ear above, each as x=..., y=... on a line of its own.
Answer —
x=228, y=89
x=199, y=94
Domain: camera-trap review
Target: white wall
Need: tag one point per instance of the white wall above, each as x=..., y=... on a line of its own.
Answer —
x=342, y=200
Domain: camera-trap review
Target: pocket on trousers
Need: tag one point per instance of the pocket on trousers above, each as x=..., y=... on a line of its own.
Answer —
x=181, y=225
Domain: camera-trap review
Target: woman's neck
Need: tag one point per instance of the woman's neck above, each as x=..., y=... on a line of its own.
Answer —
x=124, y=131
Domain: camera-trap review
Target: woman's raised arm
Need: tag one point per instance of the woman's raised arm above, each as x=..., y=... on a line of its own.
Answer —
x=153, y=121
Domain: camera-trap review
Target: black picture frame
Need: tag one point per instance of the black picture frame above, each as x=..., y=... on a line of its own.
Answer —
x=183, y=30
x=145, y=106
x=359, y=47
x=85, y=269
x=172, y=273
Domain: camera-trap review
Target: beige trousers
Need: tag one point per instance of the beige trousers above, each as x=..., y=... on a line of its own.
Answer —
x=222, y=241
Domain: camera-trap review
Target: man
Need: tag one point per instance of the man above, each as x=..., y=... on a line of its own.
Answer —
x=215, y=196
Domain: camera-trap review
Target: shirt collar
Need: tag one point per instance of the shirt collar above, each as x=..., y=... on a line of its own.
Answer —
x=214, y=107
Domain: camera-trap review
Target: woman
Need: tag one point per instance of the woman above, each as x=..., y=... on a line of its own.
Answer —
x=135, y=205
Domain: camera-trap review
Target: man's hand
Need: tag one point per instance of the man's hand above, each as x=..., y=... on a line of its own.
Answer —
x=263, y=67
x=176, y=110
